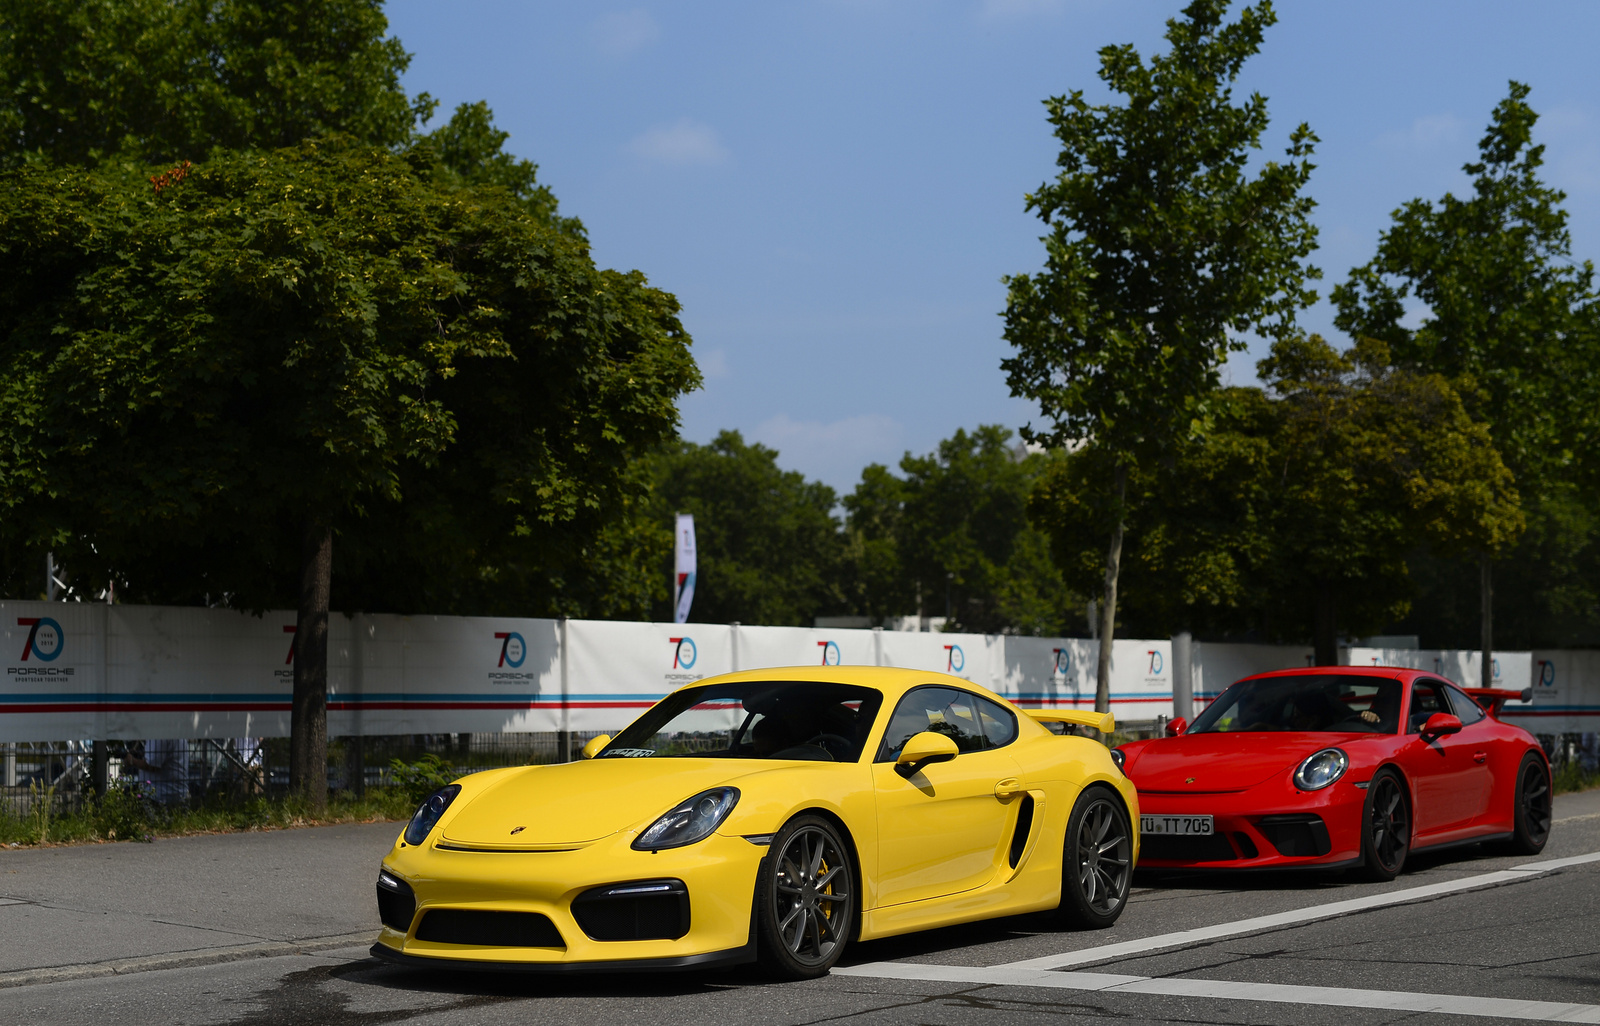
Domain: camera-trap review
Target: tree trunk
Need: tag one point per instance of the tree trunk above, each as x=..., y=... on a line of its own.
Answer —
x=1108, y=608
x=1325, y=628
x=308, y=723
x=1486, y=592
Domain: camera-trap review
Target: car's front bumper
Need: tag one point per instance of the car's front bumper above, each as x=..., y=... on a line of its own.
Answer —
x=719, y=874
x=1271, y=825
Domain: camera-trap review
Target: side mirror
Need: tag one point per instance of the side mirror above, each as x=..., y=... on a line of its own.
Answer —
x=922, y=749
x=594, y=745
x=1441, y=723
x=1177, y=725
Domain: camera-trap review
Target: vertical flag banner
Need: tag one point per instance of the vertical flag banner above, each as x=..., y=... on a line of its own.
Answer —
x=683, y=565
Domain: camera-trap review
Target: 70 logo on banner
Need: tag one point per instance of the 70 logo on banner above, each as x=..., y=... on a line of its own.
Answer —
x=513, y=650
x=46, y=639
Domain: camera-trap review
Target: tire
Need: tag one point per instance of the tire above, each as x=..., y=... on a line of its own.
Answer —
x=1385, y=827
x=1532, y=811
x=805, y=900
x=1097, y=860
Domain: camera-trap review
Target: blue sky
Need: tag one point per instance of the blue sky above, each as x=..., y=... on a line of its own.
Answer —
x=834, y=188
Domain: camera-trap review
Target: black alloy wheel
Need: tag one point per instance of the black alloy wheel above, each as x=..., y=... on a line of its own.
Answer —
x=805, y=900
x=1386, y=827
x=1098, y=860
x=1533, y=811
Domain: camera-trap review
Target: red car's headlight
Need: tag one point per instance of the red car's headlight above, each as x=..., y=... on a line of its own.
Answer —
x=1321, y=769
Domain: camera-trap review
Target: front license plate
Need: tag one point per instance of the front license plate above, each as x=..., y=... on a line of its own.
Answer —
x=1183, y=826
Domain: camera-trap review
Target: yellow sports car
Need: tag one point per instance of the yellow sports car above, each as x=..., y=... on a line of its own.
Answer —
x=770, y=815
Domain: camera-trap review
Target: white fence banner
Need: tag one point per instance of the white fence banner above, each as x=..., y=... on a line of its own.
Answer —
x=77, y=671
x=1215, y=666
x=803, y=646
x=620, y=668
x=1566, y=693
x=1511, y=669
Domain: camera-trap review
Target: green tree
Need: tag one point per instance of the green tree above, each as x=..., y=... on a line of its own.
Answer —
x=767, y=543
x=158, y=81
x=1375, y=461
x=952, y=537
x=1296, y=512
x=1162, y=251
x=209, y=379
x=1503, y=312
x=1196, y=526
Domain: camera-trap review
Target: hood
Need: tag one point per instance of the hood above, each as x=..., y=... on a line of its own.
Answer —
x=1197, y=763
x=573, y=804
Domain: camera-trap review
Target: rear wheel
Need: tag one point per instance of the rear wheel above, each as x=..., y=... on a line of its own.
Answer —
x=805, y=900
x=1386, y=827
x=1532, y=813
x=1098, y=860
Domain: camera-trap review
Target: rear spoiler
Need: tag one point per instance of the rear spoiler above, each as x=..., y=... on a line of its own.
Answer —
x=1104, y=722
x=1493, y=698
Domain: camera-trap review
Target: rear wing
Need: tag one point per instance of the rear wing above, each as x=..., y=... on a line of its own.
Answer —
x=1493, y=698
x=1104, y=722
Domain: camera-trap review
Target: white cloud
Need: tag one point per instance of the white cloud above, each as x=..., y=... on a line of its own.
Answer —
x=1427, y=134
x=621, y=33
x=713, y=364
x=833, y=451
x=1572, y=151
x=684, y=142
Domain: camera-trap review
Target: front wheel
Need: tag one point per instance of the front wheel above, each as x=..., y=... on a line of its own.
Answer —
x=1385, y=827
x=1098, y=860
x=1533, y=811
x=805, y=900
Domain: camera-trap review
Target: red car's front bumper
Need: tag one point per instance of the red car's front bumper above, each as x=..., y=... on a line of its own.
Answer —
x=1270, y=825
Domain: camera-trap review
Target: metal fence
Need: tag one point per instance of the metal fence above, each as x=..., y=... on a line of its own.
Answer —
x=210, y=770
x=197, y=770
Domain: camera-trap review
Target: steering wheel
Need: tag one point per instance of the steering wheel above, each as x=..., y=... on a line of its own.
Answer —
x=835, y=745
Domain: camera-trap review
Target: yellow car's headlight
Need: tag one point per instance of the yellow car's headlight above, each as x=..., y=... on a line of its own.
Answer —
x=689, y=821
x=427, y=817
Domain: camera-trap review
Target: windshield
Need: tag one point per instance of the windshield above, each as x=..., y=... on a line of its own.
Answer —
x=755, y=720
x=1327, y=703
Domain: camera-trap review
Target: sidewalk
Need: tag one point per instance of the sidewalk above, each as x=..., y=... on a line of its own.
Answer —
x=106, y=908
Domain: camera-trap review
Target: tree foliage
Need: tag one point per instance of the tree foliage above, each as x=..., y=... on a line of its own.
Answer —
x=1163, y=248
x=1509, y=317
x=159, y=81
x=952, y=537
x=767, y=544
x=323, y=331
x=1307, y=497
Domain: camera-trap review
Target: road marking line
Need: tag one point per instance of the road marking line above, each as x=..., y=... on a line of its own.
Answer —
x=1301, y=915
x=1547, y=866
x=1335, y=997
x=1044, y=972
x=1293, y=916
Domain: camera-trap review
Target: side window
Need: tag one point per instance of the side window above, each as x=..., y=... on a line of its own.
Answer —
x=1427, y=698
x=999, y=723
x=1463, y=706
x=941, y=710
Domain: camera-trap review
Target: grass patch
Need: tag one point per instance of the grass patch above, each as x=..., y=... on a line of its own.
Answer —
x=1570, y=776
x=126, y=814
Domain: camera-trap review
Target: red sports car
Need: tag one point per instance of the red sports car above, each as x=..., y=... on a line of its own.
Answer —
x=1337, y=767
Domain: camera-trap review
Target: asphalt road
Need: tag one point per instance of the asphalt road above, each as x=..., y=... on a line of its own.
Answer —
x=273, y=929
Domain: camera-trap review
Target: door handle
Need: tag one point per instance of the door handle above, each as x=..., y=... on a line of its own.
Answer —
x=1480, y=756
x=1010, y=787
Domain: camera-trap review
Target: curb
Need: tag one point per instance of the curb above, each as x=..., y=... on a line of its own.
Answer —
x=180, y=960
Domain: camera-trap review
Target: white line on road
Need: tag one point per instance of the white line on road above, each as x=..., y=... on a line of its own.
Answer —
x=1299, y=915
x=1335, y=997
x=1044, y=972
